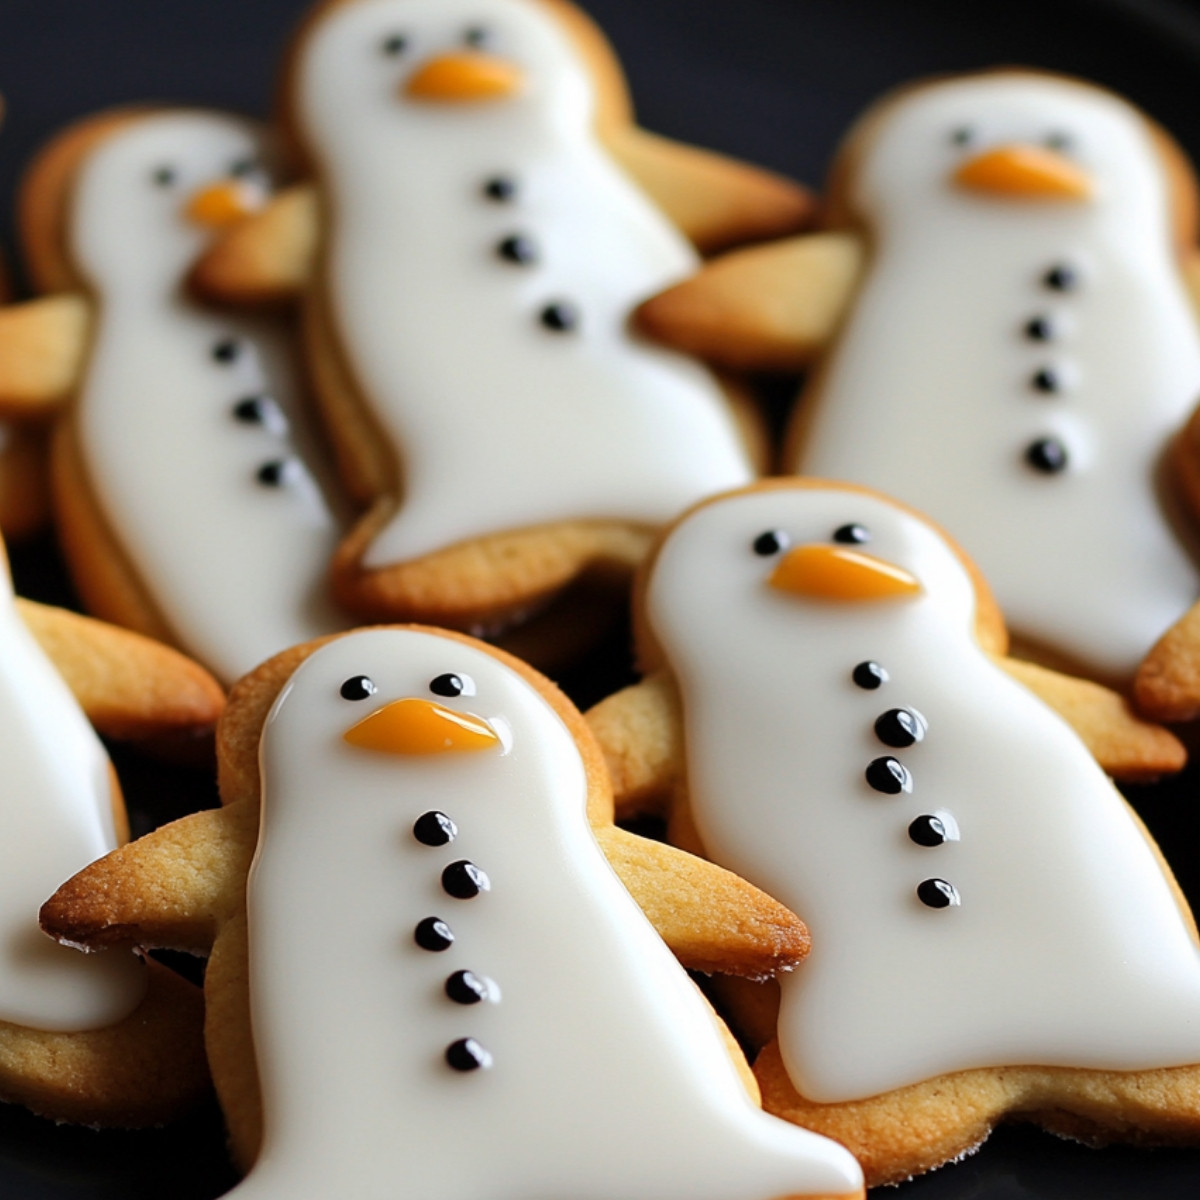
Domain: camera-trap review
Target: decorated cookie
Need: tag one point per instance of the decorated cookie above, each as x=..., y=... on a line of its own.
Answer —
x=182, y=472
x=430, y=945
x=830, y=714
x=1005, y=337
x=482, y=218
x=103, y=1040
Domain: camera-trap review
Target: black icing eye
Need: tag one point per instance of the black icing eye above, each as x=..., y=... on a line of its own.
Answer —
x=165, y=177
x=358, y=687
x=1060, y=141
x=242, y=168
x=852, y=535
x=394, y=44
x=452, y=685
x=478, y=37
x=771, y=542
x=964, y=135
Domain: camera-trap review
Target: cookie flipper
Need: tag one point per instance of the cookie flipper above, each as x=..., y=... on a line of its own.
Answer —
x=1167, y=684
x=267, y=258
x=1126, y=746
x=640, y=731
x=716, y=201
x=172, y=889
x=42, y=347
x=768, y=307
x=129, y=685
x=713, y=920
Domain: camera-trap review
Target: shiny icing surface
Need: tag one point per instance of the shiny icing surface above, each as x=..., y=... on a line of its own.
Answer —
x=1058, y=941
x=505, y=380
x=1015, y=366
x=56, y=818
x=518, y=1058
x=218, y=513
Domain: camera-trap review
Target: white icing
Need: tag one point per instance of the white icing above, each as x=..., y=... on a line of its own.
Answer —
x=498, y=423
x=1068, y=947
x=236, y=569
x=926, y=394
x=55, y=819
x=609, y=1076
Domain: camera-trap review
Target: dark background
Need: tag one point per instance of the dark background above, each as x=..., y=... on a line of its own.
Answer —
x=774, y=81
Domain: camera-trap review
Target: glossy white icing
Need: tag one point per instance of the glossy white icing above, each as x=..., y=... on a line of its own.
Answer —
x=928, y=393
x=497, y=422
x=608, y=1075
x=236, y=568
x=55, y=819
x=1067, y=948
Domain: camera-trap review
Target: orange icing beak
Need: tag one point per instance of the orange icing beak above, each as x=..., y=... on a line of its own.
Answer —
x=1025, y=173
x=464, y=77
x=224, y=203
x=835, y=573
x=412, y=726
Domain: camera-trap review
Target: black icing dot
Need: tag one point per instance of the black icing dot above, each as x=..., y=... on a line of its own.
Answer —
x=452, y=685
x=433, y=934
x=243, y=167
x=1047, y=455
x=253, y=410
x=964, y=135
x=889, y=775
x=464, y=880
x=357, y=687
x=869, y=675
x=394, y=44
x=165, y=176
x=434, y=829
x=467, y=1055
x=1047, y=380
x=1039, y=329
x=1062, y=277
x=927, y=830
x=900, y=727
x=519, y=249
x=226, y=350
x=852, y=535
x=1060, y=141
x=937, y=893
x=560, y=316
x=501, y=188
x=465, y=987
x=478, y=37
x=275, y=473
x=771, y=542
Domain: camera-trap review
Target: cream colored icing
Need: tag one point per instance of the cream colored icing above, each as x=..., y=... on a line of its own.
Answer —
x=497, y=422
x=927, y=393
x=1067, y=947
x=56, y=818
x=609, y=1076
x=236, y=568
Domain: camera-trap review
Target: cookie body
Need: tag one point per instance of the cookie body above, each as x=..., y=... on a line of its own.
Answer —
x=185, y=441
x=1020, y=350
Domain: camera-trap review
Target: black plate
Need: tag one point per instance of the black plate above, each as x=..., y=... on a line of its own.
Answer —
x=775, y=81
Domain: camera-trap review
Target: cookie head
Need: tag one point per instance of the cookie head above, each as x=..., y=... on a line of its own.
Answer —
x=1010, y=145
x=149, y=197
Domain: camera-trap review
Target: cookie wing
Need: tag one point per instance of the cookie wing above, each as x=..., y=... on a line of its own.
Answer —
x=42, y=348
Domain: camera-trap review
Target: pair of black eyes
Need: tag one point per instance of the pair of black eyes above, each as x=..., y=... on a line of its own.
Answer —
x=775, y=540
x=968, y=135
x=359, y=687
x=477, y=37
x=240, y=168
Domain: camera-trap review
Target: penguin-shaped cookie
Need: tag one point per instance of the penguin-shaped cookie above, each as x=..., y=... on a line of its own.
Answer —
x=1006, y=341
x=182, y=471
x=993, y=931
x=439, y=954
x=482, y=220
x=98, y=1040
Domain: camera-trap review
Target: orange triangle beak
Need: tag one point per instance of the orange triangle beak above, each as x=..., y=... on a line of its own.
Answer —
x=1025, y=172
x=464, y=77
x=224, y=203
x=836, y=573
x=412, y=726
